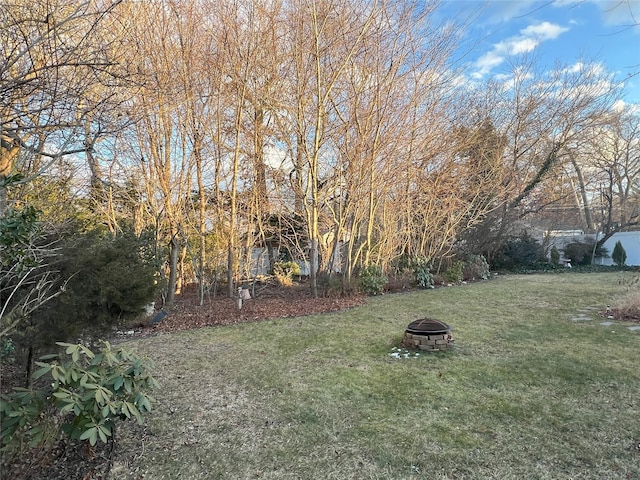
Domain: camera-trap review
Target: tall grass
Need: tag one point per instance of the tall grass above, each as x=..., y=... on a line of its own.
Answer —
x=528, y=392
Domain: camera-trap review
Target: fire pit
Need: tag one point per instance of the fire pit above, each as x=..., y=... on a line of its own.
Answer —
x=428, y=334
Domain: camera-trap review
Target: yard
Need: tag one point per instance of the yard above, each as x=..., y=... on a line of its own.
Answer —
x=541, y=384
x=536, y=387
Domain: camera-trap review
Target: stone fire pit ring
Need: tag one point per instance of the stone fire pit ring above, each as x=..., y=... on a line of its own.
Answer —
x=428, y=334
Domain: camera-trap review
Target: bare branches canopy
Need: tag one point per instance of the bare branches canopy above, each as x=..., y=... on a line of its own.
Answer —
x=336, y=133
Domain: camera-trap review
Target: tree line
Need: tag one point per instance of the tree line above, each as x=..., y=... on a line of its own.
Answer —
x=336, y=133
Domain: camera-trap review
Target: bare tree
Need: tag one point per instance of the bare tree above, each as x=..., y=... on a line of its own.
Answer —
x=160, y=127
x=541, y=115
x=397, y=96
x=612, y=157
x=28, y=278
x=326, y=39
x=50, y=52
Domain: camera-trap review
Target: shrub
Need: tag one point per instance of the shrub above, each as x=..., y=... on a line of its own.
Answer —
x=580, y=253
x=108, y=279
x=523, y=251
x=555, y=256
x=401, y=264
x=455, y=273
x=89, y=392
x=422, y=272
x=28, y=421
x=18, y=230
x=475, y=267
x=284, y=272
x=401, y=280
x=619, y=255
x=27, y=276
x=372, y=279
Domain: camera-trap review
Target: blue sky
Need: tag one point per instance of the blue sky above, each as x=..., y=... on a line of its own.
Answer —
x=565, y=31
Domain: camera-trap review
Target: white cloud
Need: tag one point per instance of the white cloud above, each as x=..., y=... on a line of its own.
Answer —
x=528, y=39
x=619, y=106
x=510, y=80
x=525, y=45
x=505, y=11
x=461, y=81
x=275, y=156
x=576, y=67
x=487, y=62
x=544, y=31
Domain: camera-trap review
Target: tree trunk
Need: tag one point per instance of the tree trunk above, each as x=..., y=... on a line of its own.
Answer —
x=29, y=368
x=3, y=197
x=202, y=211
x=180, y=281
x=174, y=254
x=230, y=267
x=313, y=268
x=583, y=195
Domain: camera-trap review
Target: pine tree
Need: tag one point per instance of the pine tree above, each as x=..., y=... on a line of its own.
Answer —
x=619, y=255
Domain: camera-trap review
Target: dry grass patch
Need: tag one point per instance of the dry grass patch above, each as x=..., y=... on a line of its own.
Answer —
x=627, y=306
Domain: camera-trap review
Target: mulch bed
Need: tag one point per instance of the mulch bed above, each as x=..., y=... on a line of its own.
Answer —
x=267, y=302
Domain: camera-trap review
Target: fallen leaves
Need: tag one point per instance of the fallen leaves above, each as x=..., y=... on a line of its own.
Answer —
x=272, y=302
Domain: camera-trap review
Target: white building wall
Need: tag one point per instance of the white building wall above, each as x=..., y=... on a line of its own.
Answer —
x=631, y=244
x=630, y=241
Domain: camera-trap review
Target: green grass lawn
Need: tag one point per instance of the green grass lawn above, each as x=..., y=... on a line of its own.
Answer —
x=528, y=392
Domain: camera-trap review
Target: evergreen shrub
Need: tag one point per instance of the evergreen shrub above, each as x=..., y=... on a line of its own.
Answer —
x=619, y=255
x=519, y=252
x=580, y=253
x=372, y=279
x=454, y=273
x=108, y=279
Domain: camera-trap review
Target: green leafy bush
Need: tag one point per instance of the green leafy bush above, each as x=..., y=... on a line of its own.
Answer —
x=372, y=279
x=24, y=422
x=89, y=392
x=7, y=349
x=454, y=274
x=422, y=272
x=284, y=272
x=475, y=267
x=18, y=229
x=619, y=255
